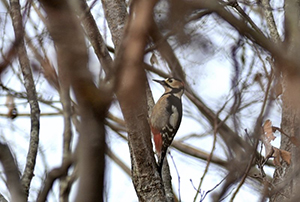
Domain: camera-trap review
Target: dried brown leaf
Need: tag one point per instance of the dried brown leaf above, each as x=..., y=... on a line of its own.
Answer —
x=266, y=137
x=268, y=130
x=293, y=139
x=286, y=156
x=276, y=155
x=10, y=104
x=270, y=151
x=279, y=155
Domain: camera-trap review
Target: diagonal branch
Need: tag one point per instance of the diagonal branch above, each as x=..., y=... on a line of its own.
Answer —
x=12, y=174
x=270, y=21
x=53, y=175
x=95, y=37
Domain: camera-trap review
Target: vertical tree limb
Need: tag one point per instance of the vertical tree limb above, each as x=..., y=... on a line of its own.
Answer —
x=287, y=178
x=93, y=103
x=53, y=175
x=31, y=96
x=67, y=134
x=131, y=81
x=116, y=14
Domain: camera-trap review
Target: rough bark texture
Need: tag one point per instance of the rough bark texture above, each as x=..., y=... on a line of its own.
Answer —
x=95, y=37
x=287, y=178
x=131, y=34
x=115, y=13
x=131, y=78
x=31, y=96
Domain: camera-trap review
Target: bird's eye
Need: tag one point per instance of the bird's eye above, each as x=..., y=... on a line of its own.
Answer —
x=170, y=80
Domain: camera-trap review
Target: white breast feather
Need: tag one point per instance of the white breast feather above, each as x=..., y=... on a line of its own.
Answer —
x=174, y=117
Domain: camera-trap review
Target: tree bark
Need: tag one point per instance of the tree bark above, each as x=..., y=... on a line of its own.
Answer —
x=131, y=93
x=31, y=96
x=286, y=177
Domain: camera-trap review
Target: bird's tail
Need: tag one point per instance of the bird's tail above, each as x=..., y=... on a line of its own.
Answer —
x=159, y=167
x=160, y=162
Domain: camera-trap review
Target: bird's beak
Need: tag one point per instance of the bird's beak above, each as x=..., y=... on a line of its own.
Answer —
x=162, y=82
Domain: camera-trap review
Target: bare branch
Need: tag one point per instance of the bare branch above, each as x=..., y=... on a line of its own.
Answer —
x=116, y=14
x=67, y=134
x=53, y=175
x=31, y=95
x=270, y=21
x=119, y=162
x=95, y=38
x=216, y=127
x=12, y=174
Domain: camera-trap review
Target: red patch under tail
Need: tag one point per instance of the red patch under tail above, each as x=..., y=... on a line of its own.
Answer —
x=157, y=140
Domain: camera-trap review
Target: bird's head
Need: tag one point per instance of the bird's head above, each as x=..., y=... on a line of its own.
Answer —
x=172, y=85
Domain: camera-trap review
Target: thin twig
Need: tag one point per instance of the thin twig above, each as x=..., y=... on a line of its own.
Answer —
x=118, y=161
x=67, y=134
x=209, y=158
x=51, y=177
x=23, y=95
x=178, y=176
x=236, y=5
x=204, y=194
x=28, y=115
x=202, y=199
x=245, y=174
x=263, y=112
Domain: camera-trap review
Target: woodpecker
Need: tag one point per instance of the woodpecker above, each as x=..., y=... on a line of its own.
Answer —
x=166, y=117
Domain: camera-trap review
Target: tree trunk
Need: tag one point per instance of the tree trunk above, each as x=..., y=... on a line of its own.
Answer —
x=286, y=177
